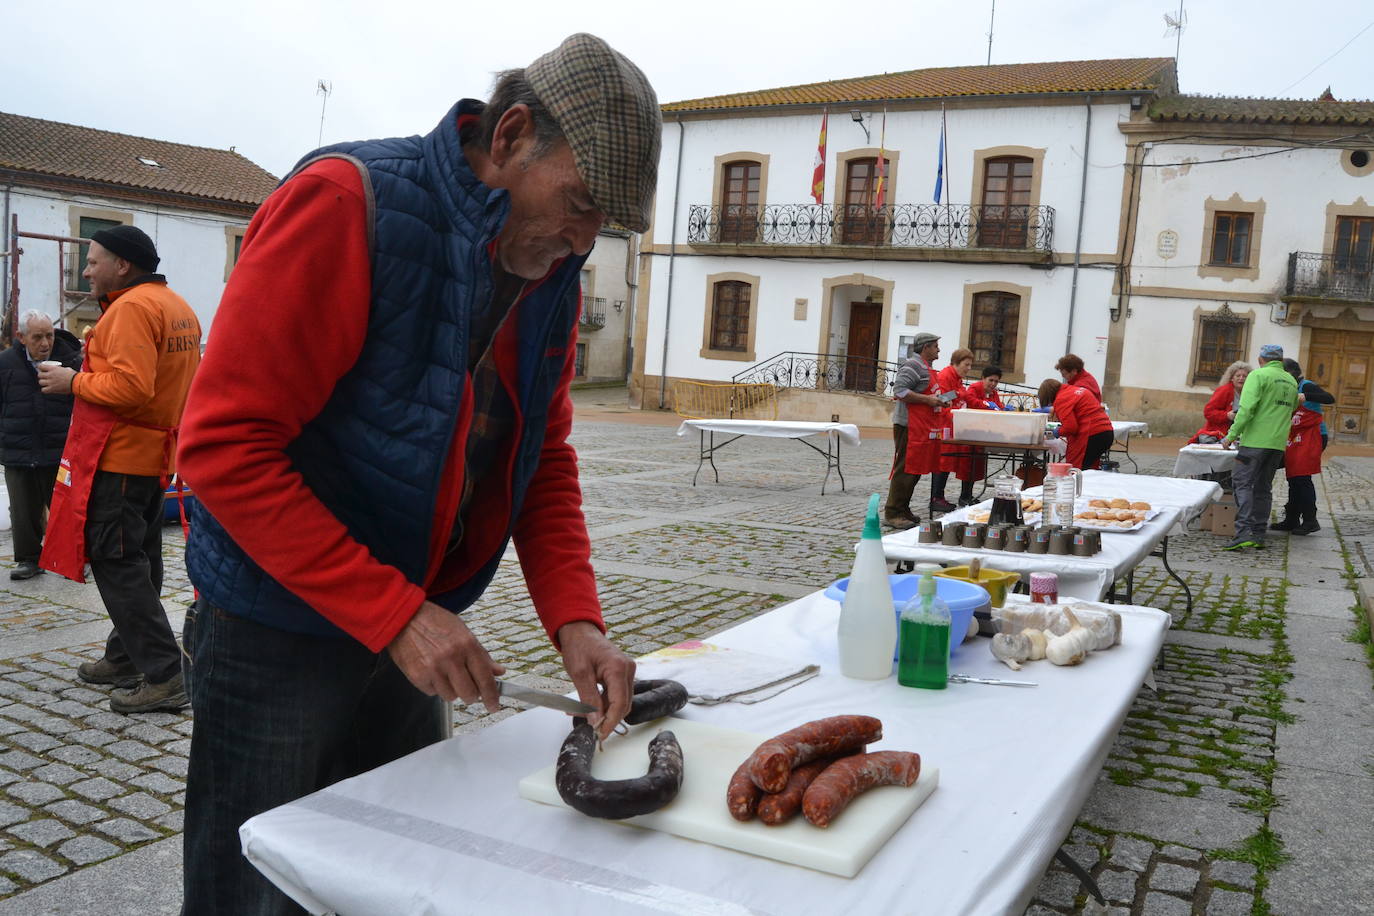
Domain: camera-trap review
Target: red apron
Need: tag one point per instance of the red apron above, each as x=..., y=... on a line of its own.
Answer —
x=1303, y=455
x=923, y=434
x=64, y=544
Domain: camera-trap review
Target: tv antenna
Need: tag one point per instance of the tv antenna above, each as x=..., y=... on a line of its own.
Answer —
x=1176, y=25
x=324, y=88
x=991, y=18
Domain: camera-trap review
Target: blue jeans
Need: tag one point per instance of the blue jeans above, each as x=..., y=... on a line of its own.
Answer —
x=277, y=716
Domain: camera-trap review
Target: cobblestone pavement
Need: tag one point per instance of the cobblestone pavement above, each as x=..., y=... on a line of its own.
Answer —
x=1181, y=821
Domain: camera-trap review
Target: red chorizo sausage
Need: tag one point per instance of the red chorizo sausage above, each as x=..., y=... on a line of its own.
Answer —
x=782, y=807
x=843, y=781
x=742, y=796
x=775, y=758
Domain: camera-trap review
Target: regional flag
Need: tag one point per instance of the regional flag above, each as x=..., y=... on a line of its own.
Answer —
x=940, y=158
x=818, y=175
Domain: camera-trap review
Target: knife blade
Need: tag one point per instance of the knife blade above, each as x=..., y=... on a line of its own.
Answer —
x=543, y=698
x=995, y=681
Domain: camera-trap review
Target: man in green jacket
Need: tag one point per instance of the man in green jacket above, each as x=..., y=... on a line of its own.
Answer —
x=1261, y=427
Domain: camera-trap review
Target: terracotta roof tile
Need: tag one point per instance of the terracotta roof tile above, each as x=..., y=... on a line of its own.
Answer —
x=1260, y=111
x=69, y=151
x=1143, y=73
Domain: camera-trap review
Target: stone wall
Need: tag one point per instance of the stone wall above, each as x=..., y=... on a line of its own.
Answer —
x=1169, y=413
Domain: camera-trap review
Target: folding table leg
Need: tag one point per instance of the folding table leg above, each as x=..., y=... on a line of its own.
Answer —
x=1163, y=553
x=1081, y=874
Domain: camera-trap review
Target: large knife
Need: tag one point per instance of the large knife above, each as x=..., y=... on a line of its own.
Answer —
x=543, y=698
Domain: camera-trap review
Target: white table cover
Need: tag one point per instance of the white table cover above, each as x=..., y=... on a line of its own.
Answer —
x=1123, y=429
x=443, y=831
x=782, y=429
x=1196, y=459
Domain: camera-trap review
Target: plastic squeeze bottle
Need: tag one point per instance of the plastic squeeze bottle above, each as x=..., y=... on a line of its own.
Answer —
x=867, y=631
x=923, y=652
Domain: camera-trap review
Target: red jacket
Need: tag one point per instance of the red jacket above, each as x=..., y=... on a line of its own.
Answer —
x=1080, y=416
x=296, y=326
x=1085, y=381
x=1221, y=403
x=974, y=397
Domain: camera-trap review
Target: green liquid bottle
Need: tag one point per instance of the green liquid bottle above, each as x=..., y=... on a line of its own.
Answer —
x=923, y=639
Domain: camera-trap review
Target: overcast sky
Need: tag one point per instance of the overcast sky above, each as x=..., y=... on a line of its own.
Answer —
x=244, y=73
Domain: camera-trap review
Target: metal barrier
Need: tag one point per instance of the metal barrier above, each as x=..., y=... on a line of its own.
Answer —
x=724, y=400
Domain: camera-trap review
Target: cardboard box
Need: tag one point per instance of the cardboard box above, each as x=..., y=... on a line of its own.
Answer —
x=1219, y=517
x=1009, y=427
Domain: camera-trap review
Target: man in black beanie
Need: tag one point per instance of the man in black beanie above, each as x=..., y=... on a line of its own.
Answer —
x=107, y=505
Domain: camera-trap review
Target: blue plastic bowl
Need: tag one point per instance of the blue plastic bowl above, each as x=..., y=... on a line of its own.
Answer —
x=963, y=599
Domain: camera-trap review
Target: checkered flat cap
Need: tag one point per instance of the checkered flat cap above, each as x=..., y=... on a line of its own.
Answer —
x=609, y=114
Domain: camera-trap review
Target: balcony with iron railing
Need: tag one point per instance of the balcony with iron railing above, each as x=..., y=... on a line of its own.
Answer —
x=963, y=227
x=593, y=313
x=1312, y=275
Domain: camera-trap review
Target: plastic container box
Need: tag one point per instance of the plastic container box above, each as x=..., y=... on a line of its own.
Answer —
x=1000, y=426
x=963, y=599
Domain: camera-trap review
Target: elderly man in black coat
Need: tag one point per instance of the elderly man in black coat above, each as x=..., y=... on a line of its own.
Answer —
x=33, y=429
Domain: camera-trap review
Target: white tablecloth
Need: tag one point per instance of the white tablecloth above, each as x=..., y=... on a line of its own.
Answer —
x=1123, y=429
x=783, y=429
x=443, y=831
x=1203, y=459
x=1086, y=577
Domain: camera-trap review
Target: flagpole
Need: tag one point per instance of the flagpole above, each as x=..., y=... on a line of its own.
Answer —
x=944, y=151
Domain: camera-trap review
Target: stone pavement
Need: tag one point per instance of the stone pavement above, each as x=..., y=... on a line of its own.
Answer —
x=1242, y=785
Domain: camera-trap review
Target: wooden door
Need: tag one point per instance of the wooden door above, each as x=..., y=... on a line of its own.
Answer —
x=1004, y=217
x=1342, y=362
x=861, y=366
x=861, y=223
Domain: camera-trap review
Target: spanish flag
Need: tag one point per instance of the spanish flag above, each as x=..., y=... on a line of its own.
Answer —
x=818, y=175
x=880, y=169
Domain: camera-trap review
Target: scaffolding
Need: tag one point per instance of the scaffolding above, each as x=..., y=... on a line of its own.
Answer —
x=68, y=300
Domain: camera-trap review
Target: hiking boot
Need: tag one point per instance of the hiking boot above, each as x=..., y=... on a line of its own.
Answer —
x=107, y=672
x=1241, y=542
x=941, y=505
x=1288, y=524
x=169, y=695
x=25, y=570
x=901, y=522
x=1306, y=526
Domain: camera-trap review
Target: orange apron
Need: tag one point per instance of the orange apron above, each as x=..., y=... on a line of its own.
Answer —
x=64, y=544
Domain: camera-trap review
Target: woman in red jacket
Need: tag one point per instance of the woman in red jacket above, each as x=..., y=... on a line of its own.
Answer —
x=1070, y=368
x=1083, y=423
x=951, y=378
x=1221, y=406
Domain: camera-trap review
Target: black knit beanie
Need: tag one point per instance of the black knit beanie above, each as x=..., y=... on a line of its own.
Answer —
x=130, y=243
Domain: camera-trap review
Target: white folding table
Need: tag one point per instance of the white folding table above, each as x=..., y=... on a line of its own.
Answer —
x=798, y=430
x=443, y=831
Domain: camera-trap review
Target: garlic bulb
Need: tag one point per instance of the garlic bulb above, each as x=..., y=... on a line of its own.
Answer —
x=1073, y=646
x=1011, y=649
x=972, y=628
x=1038, y=641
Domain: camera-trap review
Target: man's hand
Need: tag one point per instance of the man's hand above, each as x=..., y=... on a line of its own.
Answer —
x=439, y=655
x=1227, y=444
x=55, y=379
x=591, y=659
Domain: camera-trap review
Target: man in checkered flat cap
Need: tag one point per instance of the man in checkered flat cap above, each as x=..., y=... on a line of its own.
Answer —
x=354, y=499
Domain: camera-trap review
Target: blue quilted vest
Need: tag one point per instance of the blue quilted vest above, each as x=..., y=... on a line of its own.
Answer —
x=375, y=454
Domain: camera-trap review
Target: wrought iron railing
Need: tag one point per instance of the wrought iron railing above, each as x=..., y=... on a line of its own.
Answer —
x=823, y=372
x=593, y=313
x=1020, y=228
x=834, y=372
x=1328, y=276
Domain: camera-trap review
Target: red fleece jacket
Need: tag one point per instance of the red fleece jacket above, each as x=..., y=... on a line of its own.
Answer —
x=291, y=323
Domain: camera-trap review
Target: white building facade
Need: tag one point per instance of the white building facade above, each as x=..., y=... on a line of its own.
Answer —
x=1017, y=262
x=1254, y=225
x=60, y=183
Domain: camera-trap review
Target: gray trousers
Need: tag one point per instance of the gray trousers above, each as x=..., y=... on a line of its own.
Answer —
x=1253, y=479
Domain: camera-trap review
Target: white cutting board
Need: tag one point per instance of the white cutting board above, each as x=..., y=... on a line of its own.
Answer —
x=710, y=757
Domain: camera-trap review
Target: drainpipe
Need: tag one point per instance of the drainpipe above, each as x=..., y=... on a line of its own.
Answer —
x=631, y=259
x=672, y=253
x=6, y=253
x=1078, y=242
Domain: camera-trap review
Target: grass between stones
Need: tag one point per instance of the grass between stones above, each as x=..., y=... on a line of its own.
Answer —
x=1262, y=849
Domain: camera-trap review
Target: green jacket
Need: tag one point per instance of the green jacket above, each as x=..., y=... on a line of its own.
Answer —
x=1266, y=408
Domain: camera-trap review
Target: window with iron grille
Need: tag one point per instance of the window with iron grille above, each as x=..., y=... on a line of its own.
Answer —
x=1231, y=239
x=739, y=201
x=993, y=328
x=1220, y=342
x=580, y=361
x=730, y=316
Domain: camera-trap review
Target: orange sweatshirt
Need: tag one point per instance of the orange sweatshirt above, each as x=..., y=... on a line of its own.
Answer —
x=141, y=356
